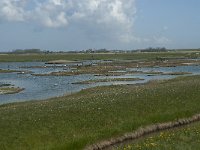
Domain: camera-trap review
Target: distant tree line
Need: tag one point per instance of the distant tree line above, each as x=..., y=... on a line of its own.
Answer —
x=24, y=51
x=96, y=51
x=103, y=50
x=157, y=49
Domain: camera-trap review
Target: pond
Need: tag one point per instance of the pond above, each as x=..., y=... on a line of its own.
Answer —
x=44, y=87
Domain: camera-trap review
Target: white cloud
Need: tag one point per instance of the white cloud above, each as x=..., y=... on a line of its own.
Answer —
x=11, y=10
x=115, y=17
x=57, y=2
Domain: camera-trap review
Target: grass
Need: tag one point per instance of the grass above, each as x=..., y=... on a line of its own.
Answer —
x=119, y=67
x=60, y=73
x=107, y=80
x=16, y=71
x=5, y=85
x=109, y=56
x=8, y=71
x=6, y=88
x=61, y=62
x=177, y=73
x=89, y=116
x=10, y=90
x=184, y=138
x=166, y=73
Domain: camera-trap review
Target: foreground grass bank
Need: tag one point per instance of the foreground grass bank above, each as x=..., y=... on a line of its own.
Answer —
x=184, y=138
x=77, y=120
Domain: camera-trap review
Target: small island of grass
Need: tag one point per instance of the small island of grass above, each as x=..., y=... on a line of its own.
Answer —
x=8, y=89
x=61, y=62
x=60, y=73
x=108, y=80
x=15, y=71
x=7, y=71
x=177, y=73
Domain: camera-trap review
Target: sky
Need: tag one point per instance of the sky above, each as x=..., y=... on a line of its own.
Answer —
x=62, y=25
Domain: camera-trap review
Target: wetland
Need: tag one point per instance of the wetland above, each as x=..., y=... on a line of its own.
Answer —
x=75, y=103
x=41, y=81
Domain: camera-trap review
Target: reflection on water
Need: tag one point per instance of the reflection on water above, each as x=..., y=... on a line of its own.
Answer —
x=37, y=88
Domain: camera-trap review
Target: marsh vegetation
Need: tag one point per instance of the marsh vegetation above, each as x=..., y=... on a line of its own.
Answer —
x=96, y=114
x=101, y=111
x=183, y=138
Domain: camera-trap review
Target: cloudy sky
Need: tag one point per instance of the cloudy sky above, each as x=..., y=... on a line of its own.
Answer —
x=111, y=24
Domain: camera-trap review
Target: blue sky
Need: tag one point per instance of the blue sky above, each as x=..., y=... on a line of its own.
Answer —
x=112, y=24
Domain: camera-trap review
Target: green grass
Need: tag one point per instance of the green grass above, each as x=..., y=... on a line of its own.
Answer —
x=8, y=71
x=107, y=80
x=74, y=121
x=81, y=56
x=15, y=71
x=10, y=90
x=119, y=67
x=184, y=138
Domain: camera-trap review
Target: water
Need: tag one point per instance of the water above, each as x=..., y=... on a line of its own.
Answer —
x=192, y=69
x=43, y=87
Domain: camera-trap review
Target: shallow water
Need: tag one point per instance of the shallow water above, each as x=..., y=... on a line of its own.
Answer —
x=43, y=87
x=194, y=69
